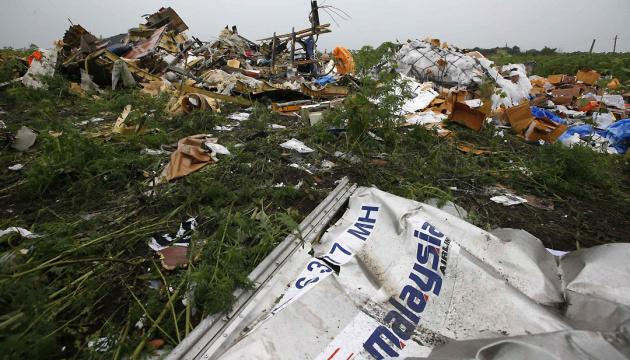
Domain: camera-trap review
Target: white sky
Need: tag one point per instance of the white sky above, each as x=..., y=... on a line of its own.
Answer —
x=568, y=25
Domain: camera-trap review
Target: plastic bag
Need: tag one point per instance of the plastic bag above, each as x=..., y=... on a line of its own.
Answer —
x=619, y=135
x=540, y=113
x=345, y=61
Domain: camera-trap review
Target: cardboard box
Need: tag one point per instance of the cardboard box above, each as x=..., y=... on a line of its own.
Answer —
x=520, y=117
x=544, y=129
x=468, y=117
x=587, y=76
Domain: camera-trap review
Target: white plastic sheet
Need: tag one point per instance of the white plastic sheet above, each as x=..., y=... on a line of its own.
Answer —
x=38, y=70
x=423, y=95
x=398, y=278
x=297, y=145
x=23, y=232
x=423, y=61
x=450, y=67
x=425, y=118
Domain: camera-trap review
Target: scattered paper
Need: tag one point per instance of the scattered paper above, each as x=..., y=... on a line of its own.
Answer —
x=300, y=167
x=297, y=145
x=174, y=257
x=101, y=344
x=218, y=148
x=327, y=165
x=474, y=103
x=603, y=120
x=508, y=200
x=374, y=136
x=91, y=121
x=348, y=157
x=154, y=152
x=224, y=128
x=424, y=95
x=239, y=116
x=181, y=238
x=16, y=167
x=425, y=118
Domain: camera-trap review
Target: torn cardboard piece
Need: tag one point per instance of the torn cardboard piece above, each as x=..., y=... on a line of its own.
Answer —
x=121, y=125
x=544, y=129
x=189, y=157
x=519, y=117
x=472, y=150
x=588, y=76
x=174, y=257
x=465, y=115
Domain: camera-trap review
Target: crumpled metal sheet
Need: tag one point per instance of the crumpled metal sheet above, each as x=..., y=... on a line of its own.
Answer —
x=398, y=278
x=576, y=345
x=146, y=46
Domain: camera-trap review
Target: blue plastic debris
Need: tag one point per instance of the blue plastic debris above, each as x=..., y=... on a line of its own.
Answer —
x=618, y=134
x=542, y=113
x=325, y=80
x=582, y=130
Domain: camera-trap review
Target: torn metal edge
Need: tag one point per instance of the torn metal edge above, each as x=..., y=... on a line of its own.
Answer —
x=206, y=339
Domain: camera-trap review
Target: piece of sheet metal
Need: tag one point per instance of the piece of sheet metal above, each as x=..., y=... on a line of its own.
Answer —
x=147, y=46
x=216, y=333
x=398, y=278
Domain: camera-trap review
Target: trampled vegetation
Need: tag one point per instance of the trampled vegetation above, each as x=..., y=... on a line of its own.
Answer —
x=91, y=276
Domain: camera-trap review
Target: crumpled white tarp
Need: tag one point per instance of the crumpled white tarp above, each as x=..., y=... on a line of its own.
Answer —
x=423, y=95
x=425, y=62
x=603, y=120
x=398, y=278
x=450, y=67
x=614, y=101
x=41, y=69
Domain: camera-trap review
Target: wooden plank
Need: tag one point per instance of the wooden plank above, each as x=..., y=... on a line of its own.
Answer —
x=320, y=29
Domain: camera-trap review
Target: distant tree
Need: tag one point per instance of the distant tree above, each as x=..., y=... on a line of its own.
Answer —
x=547, y=51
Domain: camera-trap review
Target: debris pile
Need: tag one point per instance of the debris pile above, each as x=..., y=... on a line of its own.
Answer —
x=160, y=56
x=241, y=197
x=286, y=70
x=581, y=109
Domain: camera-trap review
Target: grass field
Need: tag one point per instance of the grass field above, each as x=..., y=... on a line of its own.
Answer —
x=88, y=277
x=616, y=65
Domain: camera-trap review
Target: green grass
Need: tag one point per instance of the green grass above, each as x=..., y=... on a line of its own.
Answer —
x=616, y=65
x=88, y=277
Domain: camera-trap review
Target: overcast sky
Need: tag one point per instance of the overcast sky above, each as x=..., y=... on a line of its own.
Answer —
x=568, y=25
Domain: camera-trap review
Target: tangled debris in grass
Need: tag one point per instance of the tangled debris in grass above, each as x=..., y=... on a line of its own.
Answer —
x=89, y=284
